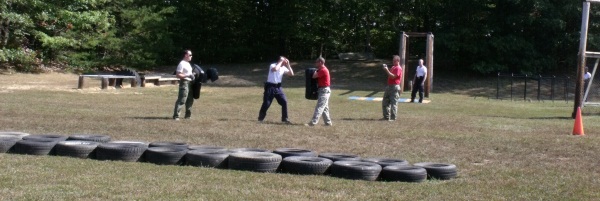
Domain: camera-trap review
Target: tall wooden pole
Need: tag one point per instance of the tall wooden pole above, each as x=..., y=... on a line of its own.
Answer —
x=581, y=57
x=429, y=64
x=402, y=54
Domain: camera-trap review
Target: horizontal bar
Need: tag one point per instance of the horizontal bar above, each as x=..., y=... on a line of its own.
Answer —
x=592, y=54
x=108, y=76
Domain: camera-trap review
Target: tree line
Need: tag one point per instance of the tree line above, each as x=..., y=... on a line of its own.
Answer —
x=485, y=36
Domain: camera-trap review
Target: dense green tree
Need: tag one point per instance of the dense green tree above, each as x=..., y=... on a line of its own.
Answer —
x=486, y=36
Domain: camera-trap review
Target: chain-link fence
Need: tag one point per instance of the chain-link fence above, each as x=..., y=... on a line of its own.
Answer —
x=534, y=87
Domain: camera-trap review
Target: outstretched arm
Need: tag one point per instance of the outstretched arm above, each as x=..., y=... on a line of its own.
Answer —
x=289, y=66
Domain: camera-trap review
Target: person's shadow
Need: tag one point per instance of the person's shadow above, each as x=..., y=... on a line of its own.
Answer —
x=151, y=118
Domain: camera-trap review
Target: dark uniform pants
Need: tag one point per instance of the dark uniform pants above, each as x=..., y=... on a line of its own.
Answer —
x=273, y=91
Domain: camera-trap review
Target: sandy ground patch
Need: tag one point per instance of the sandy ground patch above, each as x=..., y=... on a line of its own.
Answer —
x=68, y=82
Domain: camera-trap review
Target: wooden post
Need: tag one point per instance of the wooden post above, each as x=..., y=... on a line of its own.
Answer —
x=133, y=82
x=581, y=57
x=104, y=83
x=143, y=80
x=111, y=82
x=80, y=84
x=429, y=63
x=402, y=54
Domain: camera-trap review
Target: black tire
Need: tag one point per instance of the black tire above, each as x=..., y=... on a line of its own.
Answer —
x=208, y=148
x=128, y=152
x=128, y=72
x=9, y=134
x=250, y=149
x=311, y=88
x=7, y=143
x=340, y=157
x=167, y=155
x=76, y=148
x=254, y=161
x=203, y=158
x=212, y=74
x=130, y=142
x=357, y=170
x=305, y=165
x=403, y=173
x=181, y=145
x=36, y=146
x=88, y=137
x=286, y=152
x=386, y=161
x=441, y=171
x=46, y=137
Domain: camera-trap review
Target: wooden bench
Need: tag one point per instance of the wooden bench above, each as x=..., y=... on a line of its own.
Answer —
x=107, y=80
x=173, y=80
x=156, y=79
x=146, y=78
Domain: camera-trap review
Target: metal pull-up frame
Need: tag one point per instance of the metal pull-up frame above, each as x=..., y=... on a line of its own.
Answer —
x=582, y=56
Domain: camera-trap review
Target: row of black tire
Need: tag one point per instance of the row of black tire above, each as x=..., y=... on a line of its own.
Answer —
x=287, y=160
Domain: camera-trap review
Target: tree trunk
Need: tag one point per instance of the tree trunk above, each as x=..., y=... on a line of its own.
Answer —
x=4, y=34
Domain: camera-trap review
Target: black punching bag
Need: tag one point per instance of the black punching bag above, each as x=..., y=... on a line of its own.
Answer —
x=311, y=92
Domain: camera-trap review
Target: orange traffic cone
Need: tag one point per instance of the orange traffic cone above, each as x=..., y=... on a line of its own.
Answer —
x=578, y=127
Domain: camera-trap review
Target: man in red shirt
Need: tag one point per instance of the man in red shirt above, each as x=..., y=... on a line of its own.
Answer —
x=323, y=82
x=392, y=90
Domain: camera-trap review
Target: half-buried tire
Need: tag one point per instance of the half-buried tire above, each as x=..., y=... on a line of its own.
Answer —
x=45, y=137
x=356, y=170
x=36, y=146
x=340, y=157
x=386, y=161
x=286, y=152
x=76, y=148
x=90, y=137
x=128, y=152
x=403, y=173
x=19, y=135
x=204, y=158
x=181, y=145
x=7, y=143
x=254, y=161
x=441, y=171
x=305, y=165
x=168, y=155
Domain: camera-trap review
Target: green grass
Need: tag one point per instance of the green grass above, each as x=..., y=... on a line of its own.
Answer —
x=504, y=150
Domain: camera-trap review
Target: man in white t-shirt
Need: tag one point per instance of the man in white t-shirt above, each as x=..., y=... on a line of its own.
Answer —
x=273, y=89
x=185, y=97
x=419, y=82
x=586, y=79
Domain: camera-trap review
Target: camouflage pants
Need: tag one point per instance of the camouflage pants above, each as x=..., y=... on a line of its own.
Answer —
x=390, y=102
x=322, y=107
x=185, y=97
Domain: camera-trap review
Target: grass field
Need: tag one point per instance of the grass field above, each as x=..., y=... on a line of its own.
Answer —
x=504, y=150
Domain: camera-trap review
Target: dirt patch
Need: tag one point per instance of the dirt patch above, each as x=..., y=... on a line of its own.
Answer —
x=356, y=75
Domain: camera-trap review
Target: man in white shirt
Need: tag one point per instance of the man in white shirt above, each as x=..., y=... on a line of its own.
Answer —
x=586, y=80
x=273, y=89
x=185, y=97
x=419, y=82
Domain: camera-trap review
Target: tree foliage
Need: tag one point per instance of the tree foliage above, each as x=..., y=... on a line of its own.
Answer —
x=486, y=36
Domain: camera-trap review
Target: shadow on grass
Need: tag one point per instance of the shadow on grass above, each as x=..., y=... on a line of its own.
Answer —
x=552, y=118
x=151, y=118
x=359, y=119
x=263, y=122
